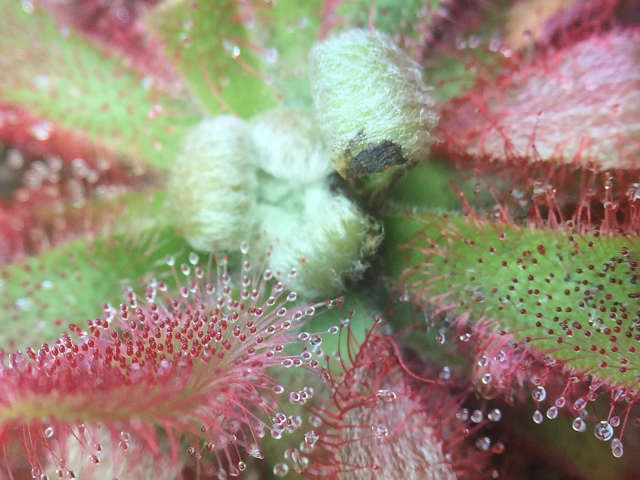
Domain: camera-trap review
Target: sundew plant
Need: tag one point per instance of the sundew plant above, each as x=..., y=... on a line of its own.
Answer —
x=326, y=239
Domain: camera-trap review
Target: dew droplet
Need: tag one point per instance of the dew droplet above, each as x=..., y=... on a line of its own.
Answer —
x=580, y=404
x=560, y=402
x=603, y=431
x=14, y=159
x=232, y=49
x=539, y=394
x=463, y=415
x=494, y=415
x=24, y=303
x=537, y=417
x=270, y=56
x=311, y=437
x=579, y=425
x=42, y=82
x=315, y=421
x=255, y=452
x=617, y=448
x=48, y=432
x=386, y=395
x=154, y=112
x=306, y=448
x=379, y=431
x=614, y=421
x=280, y=469
x=476, y=416
x=28, y=7
x=147, y=82
x=41, y=130
x=483, y=443
x=552, y=412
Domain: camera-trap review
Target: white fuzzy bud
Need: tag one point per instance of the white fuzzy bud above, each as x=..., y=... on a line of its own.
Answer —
x=212, y=188
x=373, y=105
x=331, y=236
x=289, y=145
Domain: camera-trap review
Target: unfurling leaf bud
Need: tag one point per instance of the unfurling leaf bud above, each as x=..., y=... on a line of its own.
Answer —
x=289, y=145
x=212, y=188
x=373, y=105
x=331, y=235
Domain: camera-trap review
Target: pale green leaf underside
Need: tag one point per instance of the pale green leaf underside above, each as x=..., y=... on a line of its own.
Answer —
x=398, y=18
x=209, y=45
x=58, y=76
x=286, y=31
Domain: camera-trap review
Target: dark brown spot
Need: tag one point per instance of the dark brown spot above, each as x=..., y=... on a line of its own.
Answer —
x=373, y=158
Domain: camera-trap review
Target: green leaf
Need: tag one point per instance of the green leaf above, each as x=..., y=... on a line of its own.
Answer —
x=574, y=296
x=286, y=30
x=210, y=47
x=427, y=187
x=354, y=308
x=360, y=318
x=72, y=86
x=452, y=68
x=70, y=282
x=398, y=18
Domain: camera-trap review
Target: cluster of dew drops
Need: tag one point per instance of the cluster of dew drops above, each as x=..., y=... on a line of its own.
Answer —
x=280, y=423
x=268, y=313
x=604, y=430
x=62, y=471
